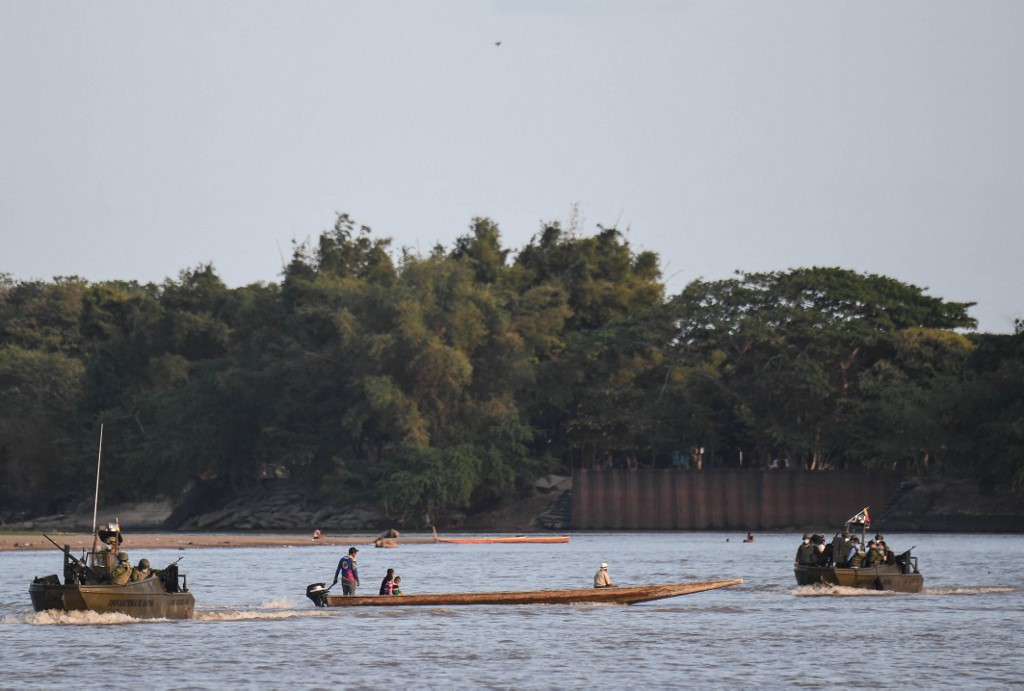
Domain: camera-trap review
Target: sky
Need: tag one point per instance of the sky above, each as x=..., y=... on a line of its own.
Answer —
x=140, y=139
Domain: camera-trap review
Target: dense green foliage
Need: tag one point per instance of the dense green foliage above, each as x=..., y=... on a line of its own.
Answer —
x=442, y=382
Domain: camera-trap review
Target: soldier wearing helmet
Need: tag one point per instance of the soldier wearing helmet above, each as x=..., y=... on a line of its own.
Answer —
x=122, y=573
x=806, y=553
x=142, y=570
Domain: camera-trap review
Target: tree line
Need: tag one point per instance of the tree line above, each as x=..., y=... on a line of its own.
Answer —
x=446, y=381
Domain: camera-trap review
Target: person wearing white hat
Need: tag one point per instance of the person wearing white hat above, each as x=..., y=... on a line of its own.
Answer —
x=601, y=578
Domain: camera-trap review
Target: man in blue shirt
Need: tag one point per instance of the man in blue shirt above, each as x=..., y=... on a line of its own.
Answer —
x=348, y=572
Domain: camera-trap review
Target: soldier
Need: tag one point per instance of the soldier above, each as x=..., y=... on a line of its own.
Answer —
x=840, y=548
x=874, y=557
x=805, y=553
x=122, y=573
x=142, y=571
x=888, y=556
x=855, y=557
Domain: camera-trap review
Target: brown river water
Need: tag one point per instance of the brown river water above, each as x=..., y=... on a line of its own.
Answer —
x=255, y=629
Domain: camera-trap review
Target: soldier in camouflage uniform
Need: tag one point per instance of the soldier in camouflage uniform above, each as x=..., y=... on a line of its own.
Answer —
x=141, y=571
x=121, y=573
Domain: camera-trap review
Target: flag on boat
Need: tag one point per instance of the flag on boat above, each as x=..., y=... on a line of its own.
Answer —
x=861, y=517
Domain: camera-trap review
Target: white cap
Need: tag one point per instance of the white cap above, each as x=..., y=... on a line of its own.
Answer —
x=604, y=565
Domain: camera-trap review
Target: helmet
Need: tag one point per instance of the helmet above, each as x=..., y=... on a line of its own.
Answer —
x=143, y=563
x=122, y=556
x=807, y=536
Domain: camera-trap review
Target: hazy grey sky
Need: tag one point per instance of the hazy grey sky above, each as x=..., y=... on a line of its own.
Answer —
x=141, y=138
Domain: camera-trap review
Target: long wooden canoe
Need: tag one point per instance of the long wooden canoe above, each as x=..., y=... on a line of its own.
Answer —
x=514, y=539
x=627, y=595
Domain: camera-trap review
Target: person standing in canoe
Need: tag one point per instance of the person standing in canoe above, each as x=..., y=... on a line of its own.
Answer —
x=601, y=578
x=348, y=572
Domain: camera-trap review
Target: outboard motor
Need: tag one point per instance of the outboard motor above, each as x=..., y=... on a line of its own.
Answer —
x=317, y=593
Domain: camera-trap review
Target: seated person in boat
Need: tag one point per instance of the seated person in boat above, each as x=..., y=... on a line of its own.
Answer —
x=387, y=586
x=396, y=588
x=142, y=571
x=601, y=578
x=122, y=573
x=888, y=556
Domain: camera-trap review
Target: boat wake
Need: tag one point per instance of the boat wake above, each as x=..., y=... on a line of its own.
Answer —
x=833, y=590
x=818, y=589
x=86, y=618
x=969, y=591
x=77, y=618
x=257, y=615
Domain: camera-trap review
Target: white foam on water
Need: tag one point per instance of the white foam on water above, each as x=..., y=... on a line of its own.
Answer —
x=282, y=603
x=78, y=618
x=969, y=591
x=819, y=589
x=257, y=615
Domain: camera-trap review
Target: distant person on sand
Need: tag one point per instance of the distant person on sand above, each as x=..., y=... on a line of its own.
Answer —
x=348, y=572
x=601, y=578
x=749, y=538
x=388, y=584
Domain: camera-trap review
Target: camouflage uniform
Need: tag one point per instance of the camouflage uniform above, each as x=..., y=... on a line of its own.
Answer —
x=122, y=573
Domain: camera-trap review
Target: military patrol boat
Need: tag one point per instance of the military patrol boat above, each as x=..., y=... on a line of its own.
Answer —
x=900, y=573
x=88, y=585
x=96, y=583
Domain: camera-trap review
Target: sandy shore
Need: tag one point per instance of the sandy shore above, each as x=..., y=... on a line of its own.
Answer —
x=80, y=541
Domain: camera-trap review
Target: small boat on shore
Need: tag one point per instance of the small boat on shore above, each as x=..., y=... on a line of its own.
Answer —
x=626, y=595
x=899, y=573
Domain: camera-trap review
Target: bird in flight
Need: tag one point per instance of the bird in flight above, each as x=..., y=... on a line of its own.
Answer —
x=497, y=43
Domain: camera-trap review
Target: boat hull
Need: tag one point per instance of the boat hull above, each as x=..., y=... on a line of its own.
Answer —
x=888, y=577
x=516, y=539
x=618, y=596
x=144, y=599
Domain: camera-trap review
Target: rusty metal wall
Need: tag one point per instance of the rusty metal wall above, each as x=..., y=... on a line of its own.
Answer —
x=723, y=499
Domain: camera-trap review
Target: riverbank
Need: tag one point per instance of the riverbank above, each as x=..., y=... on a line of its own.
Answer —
x=136, y=541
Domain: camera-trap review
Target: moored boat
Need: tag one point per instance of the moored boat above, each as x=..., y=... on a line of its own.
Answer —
x=626, y=595
x=899, y=572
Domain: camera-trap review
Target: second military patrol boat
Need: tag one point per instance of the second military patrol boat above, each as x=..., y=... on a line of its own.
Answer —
x=830, y=567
